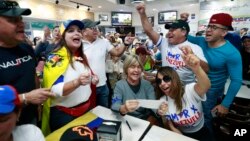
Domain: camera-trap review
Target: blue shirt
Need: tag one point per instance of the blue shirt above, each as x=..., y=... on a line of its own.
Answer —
x=224, y=61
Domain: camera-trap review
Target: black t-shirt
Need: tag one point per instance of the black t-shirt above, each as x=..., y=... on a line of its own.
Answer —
x=245, y=64
x=17, y=68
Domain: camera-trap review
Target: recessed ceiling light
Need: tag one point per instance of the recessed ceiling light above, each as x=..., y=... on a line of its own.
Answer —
x=137, y=1
x=99, y=6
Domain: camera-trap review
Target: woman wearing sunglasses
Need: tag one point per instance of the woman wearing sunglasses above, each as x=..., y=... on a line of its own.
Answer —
x=182, y=112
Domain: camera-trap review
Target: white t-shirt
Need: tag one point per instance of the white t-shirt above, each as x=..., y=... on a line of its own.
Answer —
x=171, y=56
x=27, y=132
x=191, y=118
x=96, y=54
x=76, y=97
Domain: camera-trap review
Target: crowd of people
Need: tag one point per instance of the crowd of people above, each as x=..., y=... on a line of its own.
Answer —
x=75, y=69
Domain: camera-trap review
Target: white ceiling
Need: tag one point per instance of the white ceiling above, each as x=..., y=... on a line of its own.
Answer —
x=113, y=5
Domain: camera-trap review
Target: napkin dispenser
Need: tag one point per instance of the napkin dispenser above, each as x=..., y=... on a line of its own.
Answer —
x=109, y=131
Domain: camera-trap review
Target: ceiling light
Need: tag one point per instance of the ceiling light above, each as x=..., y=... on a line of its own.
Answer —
x=137, y=1
x=88, y=9
x=77, y=6
x=57, y=1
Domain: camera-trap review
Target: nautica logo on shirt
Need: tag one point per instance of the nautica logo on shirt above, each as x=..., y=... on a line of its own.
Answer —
x=15, y=62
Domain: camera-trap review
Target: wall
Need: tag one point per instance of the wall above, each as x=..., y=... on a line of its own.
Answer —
x=239, y=9
x=48, y=14
x=191, y=9
x=50, y=11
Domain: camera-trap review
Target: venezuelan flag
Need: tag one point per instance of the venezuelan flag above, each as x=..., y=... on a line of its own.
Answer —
x=89, y=119
x=55, y=65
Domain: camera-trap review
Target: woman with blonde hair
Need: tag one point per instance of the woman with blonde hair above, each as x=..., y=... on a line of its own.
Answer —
x=129, y=90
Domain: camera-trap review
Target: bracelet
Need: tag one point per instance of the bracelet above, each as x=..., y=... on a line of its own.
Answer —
x=24, y=99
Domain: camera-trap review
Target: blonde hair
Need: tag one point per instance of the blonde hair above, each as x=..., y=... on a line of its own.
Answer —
x=129, y=61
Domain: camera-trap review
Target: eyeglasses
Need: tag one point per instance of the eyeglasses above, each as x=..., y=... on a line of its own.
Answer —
x=8, y=5
x=214, y=27
x=94, y=28
x=165, y=79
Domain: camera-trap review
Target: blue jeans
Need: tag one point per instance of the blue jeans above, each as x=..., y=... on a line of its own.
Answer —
x=208, y=105
x=102, y=95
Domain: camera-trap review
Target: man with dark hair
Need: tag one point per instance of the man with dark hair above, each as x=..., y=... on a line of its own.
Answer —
x=170, y=46
x=224, y=61
x=18, y=62
x=243, y=32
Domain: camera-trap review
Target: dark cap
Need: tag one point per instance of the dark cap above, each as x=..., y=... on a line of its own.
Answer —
x=79, y=133
x=178, y=24
x=245, y=37
x=66, y=24
x=8, y=99
x=89, y=23
x=141, y=50
x=222, y=19
x=12, y=9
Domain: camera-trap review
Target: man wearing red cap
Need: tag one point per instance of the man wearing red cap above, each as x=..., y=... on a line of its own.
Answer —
x=224, y=62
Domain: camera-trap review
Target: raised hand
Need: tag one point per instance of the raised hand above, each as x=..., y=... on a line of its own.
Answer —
x=140, y=8
x=47, y=33
x=189, y=58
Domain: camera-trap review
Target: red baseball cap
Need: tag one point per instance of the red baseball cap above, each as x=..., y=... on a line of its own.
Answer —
x=141, y=50
x=222, y=19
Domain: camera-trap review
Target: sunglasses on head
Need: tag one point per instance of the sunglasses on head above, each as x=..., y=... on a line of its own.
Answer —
x=165, y=79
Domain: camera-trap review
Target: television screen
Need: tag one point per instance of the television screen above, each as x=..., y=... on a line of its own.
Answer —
x=167, y=17
x=121, y=18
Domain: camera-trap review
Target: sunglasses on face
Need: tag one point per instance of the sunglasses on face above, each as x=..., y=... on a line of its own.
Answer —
x=94, y=28
x=165, y=79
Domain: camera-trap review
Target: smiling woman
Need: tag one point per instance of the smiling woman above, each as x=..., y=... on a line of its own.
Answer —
x=133, y=87
x=69, y=76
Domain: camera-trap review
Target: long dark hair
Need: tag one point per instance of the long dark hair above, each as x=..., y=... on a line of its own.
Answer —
x=78, y=53
x=176, y=90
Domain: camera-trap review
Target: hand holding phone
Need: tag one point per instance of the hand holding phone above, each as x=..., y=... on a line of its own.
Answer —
x=214, y=113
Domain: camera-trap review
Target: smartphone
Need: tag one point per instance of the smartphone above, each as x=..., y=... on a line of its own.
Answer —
x=214, y=113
